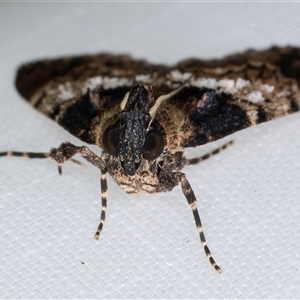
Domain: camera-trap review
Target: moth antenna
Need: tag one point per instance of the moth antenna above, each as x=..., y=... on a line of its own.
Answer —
x=153, y=110
x=124, y=101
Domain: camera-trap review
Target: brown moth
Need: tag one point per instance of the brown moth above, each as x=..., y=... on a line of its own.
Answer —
x=143, y=115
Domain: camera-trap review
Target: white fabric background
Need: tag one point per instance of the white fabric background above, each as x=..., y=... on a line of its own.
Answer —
x=248, y=196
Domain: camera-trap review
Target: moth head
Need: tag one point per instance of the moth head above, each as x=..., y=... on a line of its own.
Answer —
x=135, y=135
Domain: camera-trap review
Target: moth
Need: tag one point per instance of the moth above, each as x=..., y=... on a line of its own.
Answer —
x=144, y=115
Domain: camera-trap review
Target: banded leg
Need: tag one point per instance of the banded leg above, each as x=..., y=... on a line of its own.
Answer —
x=197, y=160
x=104, y=192
x=26, y=154
x=32, y=155
x=65, y=152
x=191, y=199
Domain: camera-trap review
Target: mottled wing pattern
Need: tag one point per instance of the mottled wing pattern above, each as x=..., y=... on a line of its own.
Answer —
x=222, y=96
x=59, y=88
x=238, y=91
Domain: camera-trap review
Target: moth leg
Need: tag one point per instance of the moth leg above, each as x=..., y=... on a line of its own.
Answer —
x=168, y=182
x=104, y=191
x=78, y=162
x=32, y=155
x=191, y=199
x=65, y=151
x=26, y=154
x=197, y=160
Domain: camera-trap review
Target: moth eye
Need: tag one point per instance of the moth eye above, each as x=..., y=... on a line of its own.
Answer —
x=154, y=145
x=110, y=140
